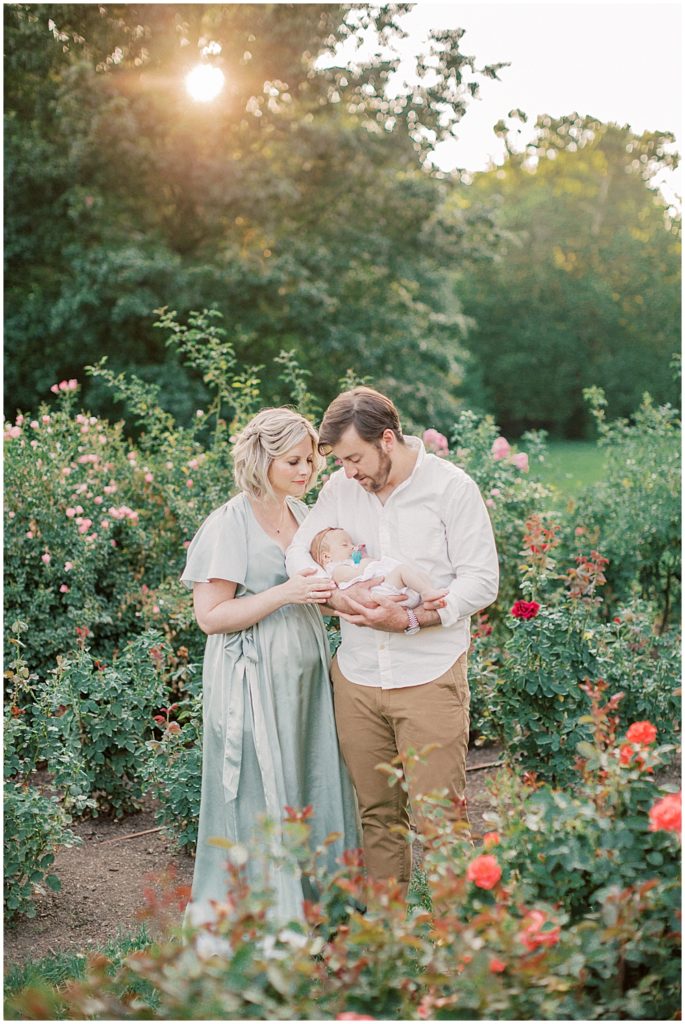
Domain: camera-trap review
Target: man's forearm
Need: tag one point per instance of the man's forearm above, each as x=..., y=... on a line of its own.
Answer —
x=426, y=617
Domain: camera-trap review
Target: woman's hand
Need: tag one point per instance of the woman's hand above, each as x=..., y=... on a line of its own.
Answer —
x=306, y=587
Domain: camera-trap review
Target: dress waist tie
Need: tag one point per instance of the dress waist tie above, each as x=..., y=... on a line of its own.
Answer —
x=243, y=685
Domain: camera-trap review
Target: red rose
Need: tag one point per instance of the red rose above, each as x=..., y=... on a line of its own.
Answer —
x=641, y=732
x=666, y=814
x=525, y=609
x=484, y=871
x=497, y=966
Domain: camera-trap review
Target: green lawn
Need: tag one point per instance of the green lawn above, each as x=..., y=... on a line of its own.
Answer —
x=571, y=465
x=49, y=973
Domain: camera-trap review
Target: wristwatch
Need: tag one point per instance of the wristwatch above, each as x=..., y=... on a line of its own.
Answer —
x=413, y=626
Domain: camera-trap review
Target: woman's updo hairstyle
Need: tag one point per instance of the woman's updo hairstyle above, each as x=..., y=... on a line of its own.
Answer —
x=268, y=435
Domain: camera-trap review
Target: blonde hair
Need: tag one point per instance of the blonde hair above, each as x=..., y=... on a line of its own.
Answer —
x=268, y=435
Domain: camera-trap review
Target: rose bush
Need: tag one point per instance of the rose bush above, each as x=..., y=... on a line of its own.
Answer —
x=493, y=947
x=636, y=511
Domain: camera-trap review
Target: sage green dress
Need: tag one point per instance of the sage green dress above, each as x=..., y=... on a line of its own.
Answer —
x=269, y=729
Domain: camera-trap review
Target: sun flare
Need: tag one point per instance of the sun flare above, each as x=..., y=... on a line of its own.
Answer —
x=204, y=82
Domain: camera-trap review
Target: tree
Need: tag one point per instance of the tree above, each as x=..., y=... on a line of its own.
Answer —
x=300, y=204
x=586, y=288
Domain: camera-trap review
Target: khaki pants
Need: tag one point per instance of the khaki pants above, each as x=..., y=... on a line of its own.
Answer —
x=374, y=726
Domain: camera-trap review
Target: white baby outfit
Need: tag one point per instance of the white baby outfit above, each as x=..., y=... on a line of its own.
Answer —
x=377, y=567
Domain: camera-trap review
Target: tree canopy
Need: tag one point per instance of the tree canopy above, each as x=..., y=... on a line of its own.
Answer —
x=300, y=203
x=585, y=288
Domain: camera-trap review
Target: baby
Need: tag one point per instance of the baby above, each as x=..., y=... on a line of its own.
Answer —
x=334, y=550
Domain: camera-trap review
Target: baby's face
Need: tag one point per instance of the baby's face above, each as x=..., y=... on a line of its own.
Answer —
x=340, y=546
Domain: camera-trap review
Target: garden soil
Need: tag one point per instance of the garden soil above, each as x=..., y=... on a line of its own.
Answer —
x=104, y=879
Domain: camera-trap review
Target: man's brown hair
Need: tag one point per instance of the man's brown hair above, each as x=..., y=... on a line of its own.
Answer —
x=368, y=411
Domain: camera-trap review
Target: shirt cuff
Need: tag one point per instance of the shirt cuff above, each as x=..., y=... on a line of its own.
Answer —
x=450, y=613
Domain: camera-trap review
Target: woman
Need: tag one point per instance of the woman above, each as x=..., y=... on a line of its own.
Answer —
x=269, y=730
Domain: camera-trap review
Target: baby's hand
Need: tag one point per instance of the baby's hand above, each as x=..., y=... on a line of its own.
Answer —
x=433, y=599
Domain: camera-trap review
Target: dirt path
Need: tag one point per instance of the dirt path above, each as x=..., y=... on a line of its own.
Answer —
x=103, y=881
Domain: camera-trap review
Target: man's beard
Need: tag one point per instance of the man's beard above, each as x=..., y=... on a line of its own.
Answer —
x=378, y=482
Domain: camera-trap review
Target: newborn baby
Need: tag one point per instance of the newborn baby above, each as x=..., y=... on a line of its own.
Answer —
x=335, y=551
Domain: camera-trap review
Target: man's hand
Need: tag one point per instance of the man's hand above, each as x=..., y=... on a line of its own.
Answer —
x=386, y=614
x=357, y=594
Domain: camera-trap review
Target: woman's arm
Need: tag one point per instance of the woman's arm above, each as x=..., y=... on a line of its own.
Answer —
x=217, y=610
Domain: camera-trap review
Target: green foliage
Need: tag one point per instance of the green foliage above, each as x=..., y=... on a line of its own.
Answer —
x=572, y=845
x=511, y=493
x=299, y=204
x=34, y=825
x=62, y=967
x=534, y=683
x=173, y=769
x=49, y=974
x=511, y=946
x=585, y=287
x=94, y=720
x=636, y=509
x=95, y=525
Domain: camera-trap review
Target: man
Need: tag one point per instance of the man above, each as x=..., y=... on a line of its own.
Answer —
x=399, y=676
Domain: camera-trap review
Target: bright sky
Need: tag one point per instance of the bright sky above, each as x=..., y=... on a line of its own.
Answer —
x=615, y=61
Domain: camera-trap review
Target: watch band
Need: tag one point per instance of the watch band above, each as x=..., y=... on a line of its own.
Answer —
x=414, y=625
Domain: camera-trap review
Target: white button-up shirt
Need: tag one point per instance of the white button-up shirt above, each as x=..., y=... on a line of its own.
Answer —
x=435, y=518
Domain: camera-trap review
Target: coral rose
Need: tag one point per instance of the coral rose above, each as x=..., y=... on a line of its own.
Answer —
x=496, y=965
x=490, y=839
x=484, y=871
x=666, y=814
x=532, y=936
x=641, y=732
x=525, y=609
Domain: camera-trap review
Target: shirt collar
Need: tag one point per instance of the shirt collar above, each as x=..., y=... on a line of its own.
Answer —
x=416, y=444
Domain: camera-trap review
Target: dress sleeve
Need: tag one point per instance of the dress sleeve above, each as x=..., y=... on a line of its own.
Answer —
x=219, y=548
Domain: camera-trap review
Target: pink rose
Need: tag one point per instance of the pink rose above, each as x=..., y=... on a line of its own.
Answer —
x=64, y=589
x=45, y=558
x=435, y=441
x=520, y=460
x=500, y=448
x=68, y=566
